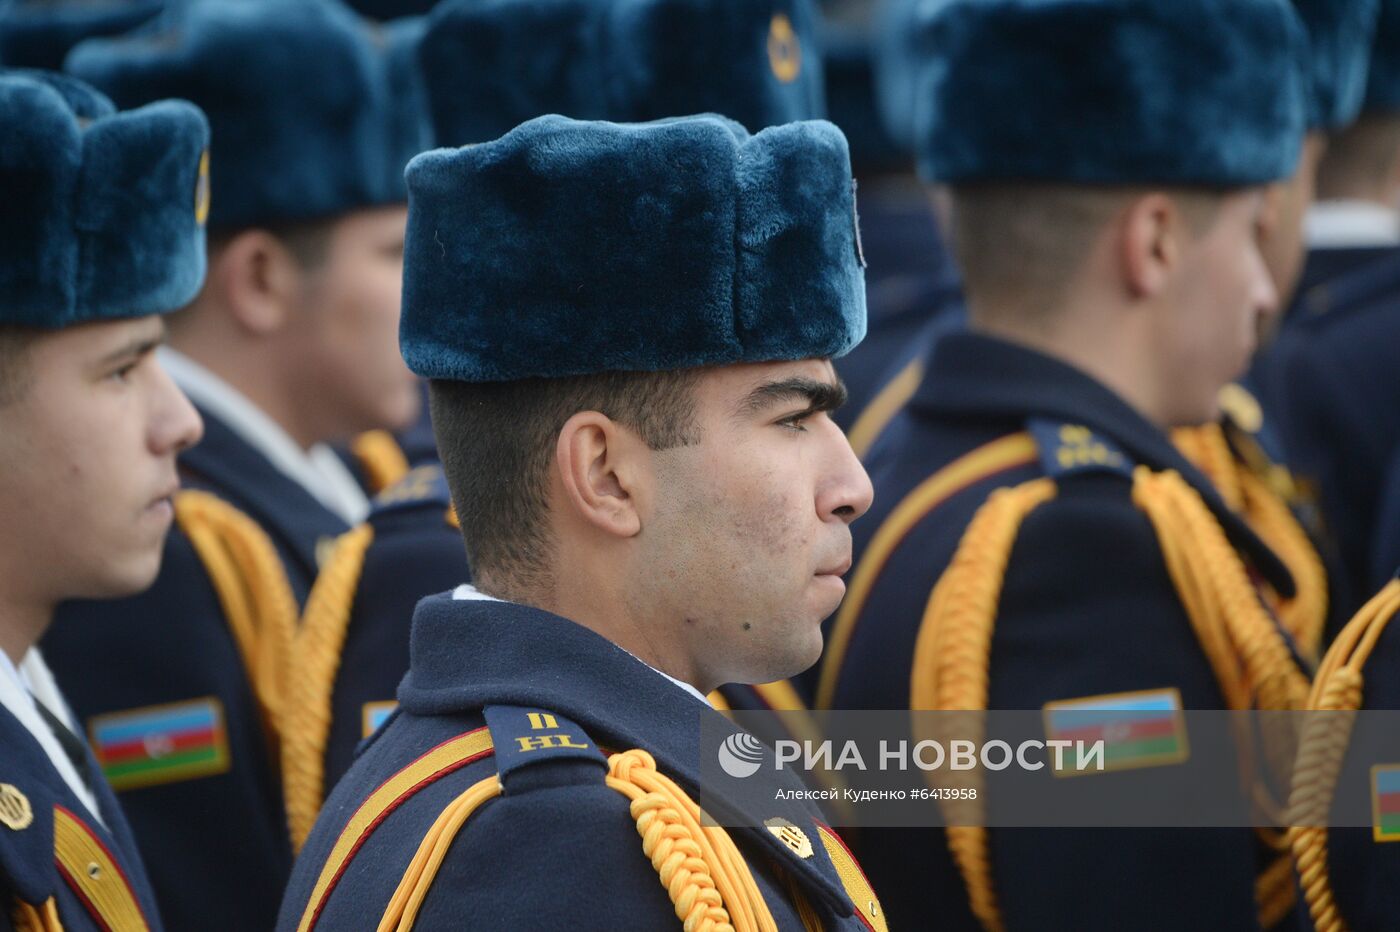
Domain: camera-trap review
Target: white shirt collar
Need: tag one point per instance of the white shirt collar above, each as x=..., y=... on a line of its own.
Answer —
x=469, y=593
x=19, y=688
x=1350, y=224
x=319, y=470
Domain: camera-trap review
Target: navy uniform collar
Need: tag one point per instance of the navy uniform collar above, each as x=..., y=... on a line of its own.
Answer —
x=975, y=375
x=466, y=655
x=228, y=466
x=27, y=854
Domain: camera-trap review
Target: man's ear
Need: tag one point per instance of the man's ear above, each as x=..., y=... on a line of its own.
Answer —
x=600, y=464
x=1151, y=235
x=258, y=280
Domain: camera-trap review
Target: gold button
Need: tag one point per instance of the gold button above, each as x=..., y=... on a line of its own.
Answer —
x=94, y=870
x=15, y=812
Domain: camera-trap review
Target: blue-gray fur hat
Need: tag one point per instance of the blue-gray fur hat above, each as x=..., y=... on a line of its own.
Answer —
x=1340, y=34
x=1191, y=92
x=1383, y=83
x=103, y=211
x=306, y=101
x=849, y=56
x=492, y=64
x=569, y=248
x=38, y=33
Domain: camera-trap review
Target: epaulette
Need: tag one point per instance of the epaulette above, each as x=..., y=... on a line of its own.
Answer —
x=1069, y=449
x=424, y=486
x=525, y=738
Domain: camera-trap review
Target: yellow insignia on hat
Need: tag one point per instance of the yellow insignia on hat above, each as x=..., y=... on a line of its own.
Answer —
x=784, y=49
x=790, y=835
x=15, y=811
x=201, y=191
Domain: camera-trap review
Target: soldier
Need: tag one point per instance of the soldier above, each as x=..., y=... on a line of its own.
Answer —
x=104, y=215
x=486, y=68
x=1331, y=377
x=291, y=343
x=1243, y=453
x=1039, y=540
x=649, y=417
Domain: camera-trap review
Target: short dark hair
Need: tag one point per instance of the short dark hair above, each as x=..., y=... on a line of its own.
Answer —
x=1022, y=243
x=497, y=442
x=1360, y=157
x=15, y=374
x=309, y=241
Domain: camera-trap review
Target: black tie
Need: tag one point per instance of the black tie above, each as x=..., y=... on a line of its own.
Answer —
x=71, y=744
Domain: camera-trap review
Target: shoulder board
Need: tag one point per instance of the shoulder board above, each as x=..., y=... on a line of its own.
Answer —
x=423, y=486
x=1068, y=449
x=525, y=738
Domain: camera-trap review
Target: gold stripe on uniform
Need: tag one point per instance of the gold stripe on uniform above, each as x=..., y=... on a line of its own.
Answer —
x=94, y=875
x=441, y=759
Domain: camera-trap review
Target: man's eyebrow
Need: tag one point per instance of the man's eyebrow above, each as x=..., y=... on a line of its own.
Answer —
x=819, y=395
x=136, y=347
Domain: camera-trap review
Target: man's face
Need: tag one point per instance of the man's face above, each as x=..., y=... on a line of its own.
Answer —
x=1224, y=296
x=747, y=536
x=87, y=463
x=348, y=332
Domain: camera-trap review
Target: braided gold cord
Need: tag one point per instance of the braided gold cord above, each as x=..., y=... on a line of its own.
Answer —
x=252, y=587
x=381, y=458
x=1253, y=498
x=317, y=652
x=29, y=918
x=701, y=868
x=1322, y=750
x=951, y=656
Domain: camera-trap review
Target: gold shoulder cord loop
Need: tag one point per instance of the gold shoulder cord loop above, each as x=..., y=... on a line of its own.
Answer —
x=381, y=458
x=1322, y=749
x=952, y=654
x=317, y=650
x=28, y=918
x=700, y=866
x=1249, y=495
x=252, y=587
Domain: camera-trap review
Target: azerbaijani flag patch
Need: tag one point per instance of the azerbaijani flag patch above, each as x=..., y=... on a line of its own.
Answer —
x=1144, y=729
x=161, y=743
x=374, y=714
x=1385, y=802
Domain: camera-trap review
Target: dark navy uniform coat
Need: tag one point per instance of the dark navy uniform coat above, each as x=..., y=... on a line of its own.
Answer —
x=214, y=838
x=559, y=848
x=1387, y=547
x=1087, y=609
x=28, y=856
x=1333, y=382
